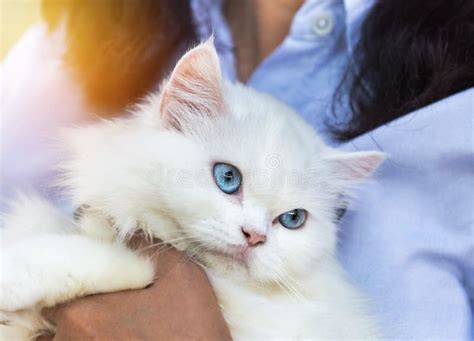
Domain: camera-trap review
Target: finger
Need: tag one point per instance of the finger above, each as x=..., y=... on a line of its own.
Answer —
x=51, y=314
x=45, y=337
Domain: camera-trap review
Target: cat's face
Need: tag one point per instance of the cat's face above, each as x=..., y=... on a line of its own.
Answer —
x=244, y=184
x=259, y=199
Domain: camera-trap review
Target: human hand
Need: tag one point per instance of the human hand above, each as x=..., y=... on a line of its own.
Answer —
x=179, y=305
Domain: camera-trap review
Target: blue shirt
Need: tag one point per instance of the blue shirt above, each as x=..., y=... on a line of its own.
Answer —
x=408, y=239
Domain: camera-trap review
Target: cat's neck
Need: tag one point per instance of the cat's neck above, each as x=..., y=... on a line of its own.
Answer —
x=292, y=287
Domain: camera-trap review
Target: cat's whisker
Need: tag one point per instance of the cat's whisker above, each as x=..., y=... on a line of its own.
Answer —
x=283, y=288
x=168, y=242
x=288, y=277
x=296, y=291
x=296, y=286
x=194, y=254
x=282, y=280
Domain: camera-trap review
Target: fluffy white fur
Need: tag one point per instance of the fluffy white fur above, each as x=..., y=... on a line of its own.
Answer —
x=154, y=172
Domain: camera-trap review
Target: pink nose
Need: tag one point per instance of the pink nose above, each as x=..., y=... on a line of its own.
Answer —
x=253, y=238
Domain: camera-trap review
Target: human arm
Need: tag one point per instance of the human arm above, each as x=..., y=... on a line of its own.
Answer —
x=180, y=305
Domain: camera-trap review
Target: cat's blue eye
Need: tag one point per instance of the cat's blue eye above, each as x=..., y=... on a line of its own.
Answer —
x=227, y=177
x=293, y=219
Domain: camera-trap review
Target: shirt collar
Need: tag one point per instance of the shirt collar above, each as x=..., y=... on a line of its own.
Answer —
x=208, y=19
x=356, y=11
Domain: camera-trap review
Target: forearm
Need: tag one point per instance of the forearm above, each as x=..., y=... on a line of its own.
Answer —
x=179, y=305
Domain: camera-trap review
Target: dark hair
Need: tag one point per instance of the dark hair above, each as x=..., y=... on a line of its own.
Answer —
x=119, y=49
x=410, y=54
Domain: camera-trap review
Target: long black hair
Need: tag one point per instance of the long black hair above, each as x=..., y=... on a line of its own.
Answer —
x=410, y=53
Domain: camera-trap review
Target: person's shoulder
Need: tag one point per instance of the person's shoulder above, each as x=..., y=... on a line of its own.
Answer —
x=442, y=127
x=424, y=186
x=411, y=227
x=429, y=153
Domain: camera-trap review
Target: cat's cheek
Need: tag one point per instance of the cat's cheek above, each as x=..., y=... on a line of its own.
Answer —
x=261, y=271
x=263, y=263
x=301, y=249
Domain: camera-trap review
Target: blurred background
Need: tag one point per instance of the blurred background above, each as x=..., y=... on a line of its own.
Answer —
x=15, y=18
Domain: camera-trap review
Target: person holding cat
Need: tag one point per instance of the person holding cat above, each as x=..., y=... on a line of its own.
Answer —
x=391, y=75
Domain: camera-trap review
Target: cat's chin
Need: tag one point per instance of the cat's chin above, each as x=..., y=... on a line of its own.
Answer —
x=238, y=255
x=243, y=264
x=228, y=259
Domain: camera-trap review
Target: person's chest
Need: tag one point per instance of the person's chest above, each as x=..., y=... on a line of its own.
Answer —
x=304, y=70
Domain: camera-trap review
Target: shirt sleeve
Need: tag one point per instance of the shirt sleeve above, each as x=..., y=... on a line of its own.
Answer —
x=408, y=238
x=38, y=98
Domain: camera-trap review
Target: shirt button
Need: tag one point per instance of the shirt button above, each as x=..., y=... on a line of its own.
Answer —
x=323, y=24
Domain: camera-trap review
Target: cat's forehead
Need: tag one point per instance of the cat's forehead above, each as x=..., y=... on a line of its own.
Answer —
x=264, y=131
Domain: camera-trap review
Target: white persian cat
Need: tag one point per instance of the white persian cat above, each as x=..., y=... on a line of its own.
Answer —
x=232, y=177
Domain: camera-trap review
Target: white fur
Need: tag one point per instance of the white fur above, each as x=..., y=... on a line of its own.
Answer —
x=154, y=172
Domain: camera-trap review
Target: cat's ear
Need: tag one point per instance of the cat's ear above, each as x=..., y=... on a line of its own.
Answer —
x=194, y=89
x=349, y=168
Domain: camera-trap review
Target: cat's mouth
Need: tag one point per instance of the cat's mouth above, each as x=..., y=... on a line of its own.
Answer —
x=235, y=254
